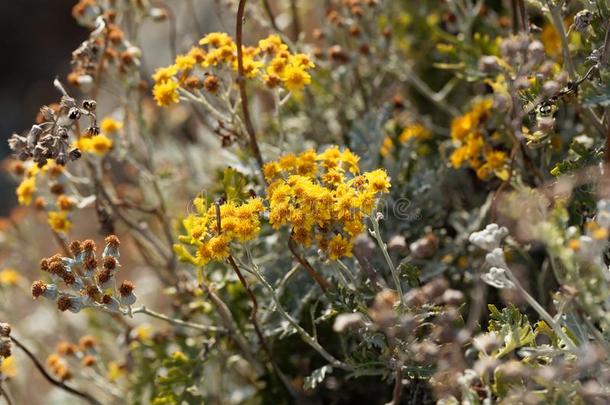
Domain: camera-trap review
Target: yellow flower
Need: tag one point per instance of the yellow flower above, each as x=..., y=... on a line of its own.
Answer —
x=339, y=247
x=110, y=125
x=320, y=193
x=295, y=78
x=98, y=144
x=166, y=93
x=351, y=161
x=115, y=371
x=387, y=146
x=59, y=222
x=216, y=39
x=197, y=53
x=165, y=73
x=9, y=277
x=185, y=62
x=550, y=40
x=272, y=44
x=495, y=163
x=26, y=190
x=7, y=367
x=239, y=223
x=415, y=131
x=378, y=181
x=251, y=66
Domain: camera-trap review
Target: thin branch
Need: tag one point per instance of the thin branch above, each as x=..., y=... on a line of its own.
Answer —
x=310, y=270
x=175, y=321
x=270, y=15
x=4, y=394
x=296, y=22
x=59, y=384
x=397, y=393
x=377, y=235
x=241, y=81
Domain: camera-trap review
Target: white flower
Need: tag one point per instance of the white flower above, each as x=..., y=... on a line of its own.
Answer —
x=496, y=258
x=496, y=277
x=489, y=238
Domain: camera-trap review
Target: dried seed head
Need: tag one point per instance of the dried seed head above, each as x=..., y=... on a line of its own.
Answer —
x=40, y=203
x=75, y=154
x=90, y=263
x=76, y=248
x=104, y=276
x=87, y=342
x=89, y=105
x=107, y=299
x=64, y=303
x=89, y=361
x=66, y=348
x=211, y=83
x=193, y=82
x=57, y=188
x=38, y=288
x=5, y=329
x=63, y=373
x=89, y=246
x=112, y=241
x=74, y=113
x=337, y=54
x=68, y=278
x=126, y=288
x=93, y=130
x=44, y=264
x=92, y=292
x=5, y=348
x=109, y=263
x=57, y=267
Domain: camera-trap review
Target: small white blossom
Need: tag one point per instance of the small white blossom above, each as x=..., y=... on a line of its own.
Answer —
x=489, y=238
x=496, y=277
x=495, y=258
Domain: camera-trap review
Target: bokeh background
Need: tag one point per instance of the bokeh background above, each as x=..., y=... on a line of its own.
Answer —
x=36, y=39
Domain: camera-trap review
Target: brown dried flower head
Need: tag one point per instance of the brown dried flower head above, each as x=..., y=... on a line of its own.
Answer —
x=38, y=288
x=126, y=288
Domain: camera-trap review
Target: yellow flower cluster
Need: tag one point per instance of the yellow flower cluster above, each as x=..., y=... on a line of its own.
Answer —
x=238, y=223
x=51, y=174
x=28, y=187
x=471, y=147
x=415, y=132
x=99, y=144
x=59, y=221
x=323, y=197
x=270, y=62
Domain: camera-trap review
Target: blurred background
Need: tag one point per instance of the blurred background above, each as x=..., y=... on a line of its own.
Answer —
x=36, y=39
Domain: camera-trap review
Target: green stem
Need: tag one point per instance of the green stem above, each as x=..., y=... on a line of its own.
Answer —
x=175, y=321
x=386, y=255
x=542, y=312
